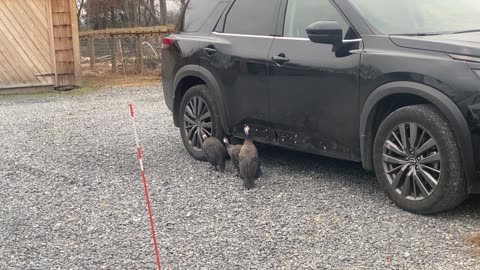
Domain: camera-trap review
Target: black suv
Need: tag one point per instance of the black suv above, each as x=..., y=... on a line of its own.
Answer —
x=392, y=84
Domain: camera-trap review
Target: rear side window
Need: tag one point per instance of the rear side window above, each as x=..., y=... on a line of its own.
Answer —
x=197, y=13
x=252, y=17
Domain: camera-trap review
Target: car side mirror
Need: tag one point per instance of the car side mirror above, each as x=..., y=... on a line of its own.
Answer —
x=325, y=32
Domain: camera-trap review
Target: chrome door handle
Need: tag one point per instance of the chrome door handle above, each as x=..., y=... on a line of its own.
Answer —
x=280, y=59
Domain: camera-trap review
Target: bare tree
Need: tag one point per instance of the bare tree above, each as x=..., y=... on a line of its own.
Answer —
x=183, y=3
x=152, y=7
x=99, y=14
x=80, y=7
x=135, y=12
x=163, y=12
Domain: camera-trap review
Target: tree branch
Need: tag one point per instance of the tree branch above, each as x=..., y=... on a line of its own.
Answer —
x=79, y=8
x=151, y=12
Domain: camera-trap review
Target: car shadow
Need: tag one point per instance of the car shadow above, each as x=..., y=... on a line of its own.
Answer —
x=276, y=157
x=296, y=161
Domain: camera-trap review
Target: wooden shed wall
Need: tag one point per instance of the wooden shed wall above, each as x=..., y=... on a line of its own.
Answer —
x=39, y=43
x=66, y=42
x=26, y=55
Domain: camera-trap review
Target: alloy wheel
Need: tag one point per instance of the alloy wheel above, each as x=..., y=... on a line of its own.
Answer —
x=411, y=161
x=197, y=121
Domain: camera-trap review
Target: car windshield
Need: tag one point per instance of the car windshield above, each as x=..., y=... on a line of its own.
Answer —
x=417, y=17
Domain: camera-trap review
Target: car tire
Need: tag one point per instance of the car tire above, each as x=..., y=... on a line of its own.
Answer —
x=198, y=115
x=422, y=175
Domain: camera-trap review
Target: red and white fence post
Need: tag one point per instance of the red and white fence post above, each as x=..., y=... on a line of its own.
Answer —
x=145, y=187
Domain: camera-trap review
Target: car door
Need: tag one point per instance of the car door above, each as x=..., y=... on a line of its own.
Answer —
x=314, y=88
x=236, y=53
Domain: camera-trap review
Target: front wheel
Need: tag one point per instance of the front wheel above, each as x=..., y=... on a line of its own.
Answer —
x=198, y=115
x=417, y=161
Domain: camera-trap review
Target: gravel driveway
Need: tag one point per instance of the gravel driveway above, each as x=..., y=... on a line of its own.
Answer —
x=71, y=198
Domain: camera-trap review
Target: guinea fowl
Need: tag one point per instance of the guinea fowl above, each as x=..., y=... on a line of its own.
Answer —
x=234, y=152
x=249, y=162
x=215, y=152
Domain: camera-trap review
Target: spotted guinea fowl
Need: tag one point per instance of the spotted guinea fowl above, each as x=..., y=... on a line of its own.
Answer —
x=215, y=152
x=234, y=152
x=249, y=162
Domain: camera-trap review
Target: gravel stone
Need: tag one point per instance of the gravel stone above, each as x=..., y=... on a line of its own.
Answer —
x=71, y=198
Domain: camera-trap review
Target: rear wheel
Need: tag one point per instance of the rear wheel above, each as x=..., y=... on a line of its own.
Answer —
x=198, y=115
x=417, y=161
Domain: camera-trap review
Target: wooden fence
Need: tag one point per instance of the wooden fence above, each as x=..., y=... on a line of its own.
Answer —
x=138, y=33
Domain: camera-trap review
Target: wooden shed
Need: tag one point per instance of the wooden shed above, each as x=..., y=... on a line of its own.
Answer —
x=39, y=44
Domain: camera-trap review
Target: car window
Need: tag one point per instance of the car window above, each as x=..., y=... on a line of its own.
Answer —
x=301, y=13
x=197, y=12
x=252, y=17
x=420, y=16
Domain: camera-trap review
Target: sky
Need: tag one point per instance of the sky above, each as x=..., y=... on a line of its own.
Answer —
x=172, y=5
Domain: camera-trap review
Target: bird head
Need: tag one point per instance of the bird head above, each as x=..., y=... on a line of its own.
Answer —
x=247, y=130
x=204, y=137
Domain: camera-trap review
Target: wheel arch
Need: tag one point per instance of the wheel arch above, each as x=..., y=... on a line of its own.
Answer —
x=189, y=76
x=428, y=94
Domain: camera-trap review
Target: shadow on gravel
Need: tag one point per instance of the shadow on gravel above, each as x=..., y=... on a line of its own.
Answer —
x=470, y=206
x=298, y=161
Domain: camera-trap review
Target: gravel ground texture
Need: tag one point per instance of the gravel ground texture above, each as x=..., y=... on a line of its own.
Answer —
x=71, y=198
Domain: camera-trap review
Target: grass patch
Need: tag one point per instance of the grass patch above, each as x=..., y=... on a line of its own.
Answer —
x=103, y=77
x=94, y=80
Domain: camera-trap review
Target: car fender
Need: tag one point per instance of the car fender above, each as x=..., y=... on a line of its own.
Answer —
x=446, y=106
x=210, y=81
